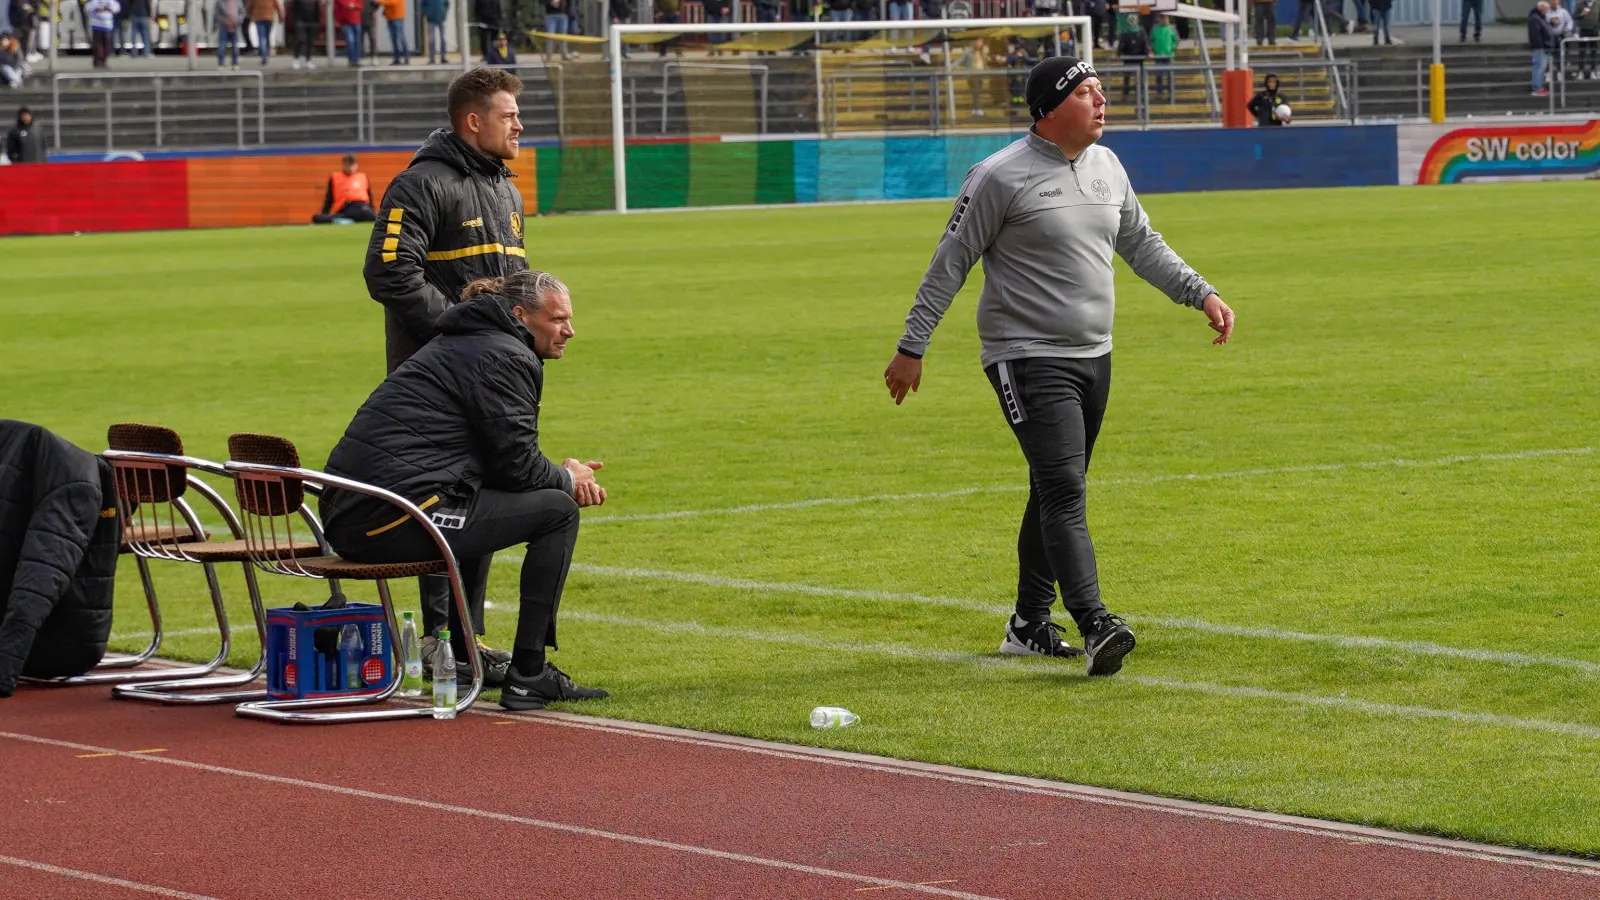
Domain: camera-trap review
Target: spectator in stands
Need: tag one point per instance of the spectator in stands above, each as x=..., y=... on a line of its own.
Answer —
x=102, y=19
x=1133, y=46
x=622, y=12
x=668, y=12
x=369, y=29
x=24, y=25
x=10, y=62
x=1540, y=39
x=1017, y=63
x=138, y=19
x=436, y=13
x=1266, y=21
x=1562, y=27
x=718, y=12
x=1380, y=20
x=1333, y=17
x=839, y=11
x=1588, y=28
x=227, y=14
x=491, y=18
x=24, y=143
x=1164, y=46
x=394, y=16
x=347, y=15
x=1304, y=17
x=501, y=53
x=307, y=16
x=468, y=450
x=1474, y=9
x=1264, y=105
x=558, y=21
x=263, y=13
x=349, y=195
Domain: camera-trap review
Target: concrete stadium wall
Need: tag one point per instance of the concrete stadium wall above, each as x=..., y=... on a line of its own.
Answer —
x=210, y=190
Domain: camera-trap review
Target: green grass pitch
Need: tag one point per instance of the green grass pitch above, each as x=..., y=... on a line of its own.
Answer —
x=1359, y=545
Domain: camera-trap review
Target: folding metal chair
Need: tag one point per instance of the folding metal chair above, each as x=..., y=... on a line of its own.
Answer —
x=271, y=485
x=151, y=475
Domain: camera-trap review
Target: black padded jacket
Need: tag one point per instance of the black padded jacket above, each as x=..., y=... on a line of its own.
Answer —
x=58, y=555
x=459, y=416
x=452, y=216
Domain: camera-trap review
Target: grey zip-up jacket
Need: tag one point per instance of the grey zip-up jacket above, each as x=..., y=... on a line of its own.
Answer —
x=1045, y=228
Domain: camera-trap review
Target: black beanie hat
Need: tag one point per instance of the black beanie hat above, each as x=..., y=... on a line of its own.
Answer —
x=1053, y=81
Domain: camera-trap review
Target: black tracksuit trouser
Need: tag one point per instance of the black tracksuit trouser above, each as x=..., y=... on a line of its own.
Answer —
x=1055, y=407
x=475, y=528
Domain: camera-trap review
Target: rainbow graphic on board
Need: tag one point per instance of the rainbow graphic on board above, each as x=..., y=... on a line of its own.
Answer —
x=1506, y=152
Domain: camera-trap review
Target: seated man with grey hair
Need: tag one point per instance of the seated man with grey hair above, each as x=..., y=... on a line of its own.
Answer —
x=455, y=430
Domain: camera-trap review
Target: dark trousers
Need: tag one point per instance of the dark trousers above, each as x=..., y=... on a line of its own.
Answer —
x=1306, y=14
x=355, y=211
x=100, y=46
x=1266, y=22
x=476, y=528
x=1055, y=407
x=1472, y=8
x=305, y=40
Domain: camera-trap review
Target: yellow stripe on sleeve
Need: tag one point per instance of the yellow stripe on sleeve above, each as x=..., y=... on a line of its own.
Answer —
x=395, y=214
x=393, y=227
x=391, y=244
x=390, y=257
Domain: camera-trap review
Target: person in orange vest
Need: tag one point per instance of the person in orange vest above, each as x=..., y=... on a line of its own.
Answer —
x=349, y=193
x=394, y=12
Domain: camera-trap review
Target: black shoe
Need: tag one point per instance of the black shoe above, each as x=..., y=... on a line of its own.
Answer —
x=1106, y=642
x=523, y=693
x=1024, y=638
x=495, y=664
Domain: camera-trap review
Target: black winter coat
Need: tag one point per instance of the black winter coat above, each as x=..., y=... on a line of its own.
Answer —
x=58, y=555
x=460, y=415
x=452, y=216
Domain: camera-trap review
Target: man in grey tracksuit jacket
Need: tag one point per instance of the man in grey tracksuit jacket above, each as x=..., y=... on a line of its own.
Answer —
x=1045, y=215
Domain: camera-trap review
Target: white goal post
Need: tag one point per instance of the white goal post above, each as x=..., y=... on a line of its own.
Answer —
x=614, y=39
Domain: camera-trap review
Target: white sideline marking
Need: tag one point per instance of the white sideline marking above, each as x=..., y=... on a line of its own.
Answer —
x=102, y=879
x=1026, y=785
x=504, y=817
x=1150, y=479
x=975, y=659
x=1353, y=642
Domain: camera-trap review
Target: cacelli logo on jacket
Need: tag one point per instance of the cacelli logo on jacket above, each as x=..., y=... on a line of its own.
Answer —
x=473, y=223
x=1054, y=193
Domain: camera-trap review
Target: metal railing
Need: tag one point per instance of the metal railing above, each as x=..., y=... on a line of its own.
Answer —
x=367, y=81
x=1564, y=58
x=159, y=120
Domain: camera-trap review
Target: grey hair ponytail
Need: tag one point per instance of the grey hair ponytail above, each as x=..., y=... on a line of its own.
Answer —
x=527, y=289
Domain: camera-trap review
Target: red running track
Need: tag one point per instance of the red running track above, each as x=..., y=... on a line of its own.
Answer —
x=550, y=805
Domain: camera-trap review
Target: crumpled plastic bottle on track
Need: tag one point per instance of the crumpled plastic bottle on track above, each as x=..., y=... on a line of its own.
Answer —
x=833, y=717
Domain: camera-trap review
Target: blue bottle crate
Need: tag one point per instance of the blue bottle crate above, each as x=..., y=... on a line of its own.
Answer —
x=296, y=670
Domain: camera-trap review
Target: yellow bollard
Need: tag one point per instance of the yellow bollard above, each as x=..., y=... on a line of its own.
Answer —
x=1436, y=92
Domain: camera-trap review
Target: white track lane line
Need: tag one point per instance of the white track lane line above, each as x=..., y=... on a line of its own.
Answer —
x=1590, y=732
x=101, y=879
x=1351, y=642
x=1095, y=482
x=504, y=817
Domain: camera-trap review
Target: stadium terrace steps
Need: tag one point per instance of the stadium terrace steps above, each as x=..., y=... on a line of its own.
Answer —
x=1480, y=79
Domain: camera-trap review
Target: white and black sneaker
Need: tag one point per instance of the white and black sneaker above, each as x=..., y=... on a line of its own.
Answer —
x=1106, y=642
x=495, y=663
x=1024, y=638
x=521, y=692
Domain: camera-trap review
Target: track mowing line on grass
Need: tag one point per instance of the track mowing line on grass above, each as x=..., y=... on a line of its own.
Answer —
x=1591, y=732
x=566, y=828
x=1353, y=642
x=101, y=879
x=1095, y=482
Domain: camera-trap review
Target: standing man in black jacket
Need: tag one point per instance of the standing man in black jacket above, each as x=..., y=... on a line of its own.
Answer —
x=456, y=431
x=451, y=217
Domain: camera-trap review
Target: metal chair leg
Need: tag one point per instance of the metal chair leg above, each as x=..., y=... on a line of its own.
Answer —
x=298, y=711
x=174, y=693
x=122, y=661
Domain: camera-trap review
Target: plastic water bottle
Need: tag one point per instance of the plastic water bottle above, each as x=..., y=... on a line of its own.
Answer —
x=444, y=679
x=411, y=652
x=351, y=656
x=833, y=717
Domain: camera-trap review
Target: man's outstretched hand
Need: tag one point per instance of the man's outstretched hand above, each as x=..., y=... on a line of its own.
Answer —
x=904, y=374
x=1221, y=318
x=584, y=488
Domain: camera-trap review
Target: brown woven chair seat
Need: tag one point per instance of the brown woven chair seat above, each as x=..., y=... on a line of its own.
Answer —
x=338, y=567
x=156, y=534
x=239, y=551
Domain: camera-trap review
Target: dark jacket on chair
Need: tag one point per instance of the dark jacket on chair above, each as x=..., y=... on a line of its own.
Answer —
x=452, y=216
x=58, y=555
x=460, y=415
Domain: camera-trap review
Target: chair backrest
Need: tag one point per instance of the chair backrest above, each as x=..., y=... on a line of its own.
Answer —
x=150, y=484
x=271, y=497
